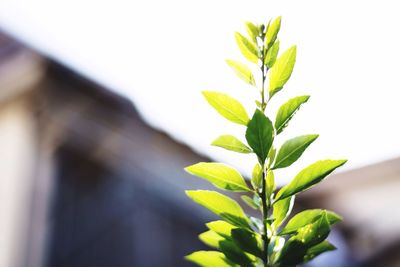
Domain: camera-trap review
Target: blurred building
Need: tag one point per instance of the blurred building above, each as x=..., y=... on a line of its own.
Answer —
x=86, y=182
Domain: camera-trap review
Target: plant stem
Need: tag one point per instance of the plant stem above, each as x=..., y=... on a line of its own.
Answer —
x=264, y=217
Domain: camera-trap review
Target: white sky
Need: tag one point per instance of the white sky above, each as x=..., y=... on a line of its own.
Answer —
x=162, y=54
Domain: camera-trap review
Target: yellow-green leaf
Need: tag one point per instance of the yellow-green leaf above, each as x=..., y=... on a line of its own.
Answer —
x=280, y=73
x=308, y=177
x=292, y=149
x=271, y=55
x=230, y=142
x=210, y=258
x=250, y=202
x=211, y=238
x=307, y=217
x=228, y=107
x=225, y=207
x=220, y=175
x=273, y=30
x=247, y=47
x=222, y=228
x=281, y=210
x=256, y=177
x=252, y=30
x=287, y=111
x=242, y=71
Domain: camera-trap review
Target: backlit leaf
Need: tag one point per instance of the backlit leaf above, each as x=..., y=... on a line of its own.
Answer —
x=309, y=176
x=242, y=71
x=250, y=202
x=220, y=175
x=210, y=258
x=287, y=110
x=211, y=238
x=273, y=30
x=280, y=73
x=227, y=106
x=252, y=30
x=259, y=135
x=307, y=217
x=257, y=176
x=292, y=149
x=221, y=227
x=247, y=47
x=225, y=207
x=281, y=210
x=230, y=142
x=271, y=55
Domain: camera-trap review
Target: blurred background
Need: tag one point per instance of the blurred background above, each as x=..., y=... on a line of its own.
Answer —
x=100, y=110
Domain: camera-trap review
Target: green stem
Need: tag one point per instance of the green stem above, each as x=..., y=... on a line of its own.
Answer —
x=265, y=209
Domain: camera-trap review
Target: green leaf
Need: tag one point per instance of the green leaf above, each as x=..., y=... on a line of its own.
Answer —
x=308, y=236
x=270, y=180
x=248, y=48
x=282, y=210
x=271, y=156
x=250, y=202
x=259, y=135
x=242, y=71
x=256, y=177
x=271, y=55
x=292, y=149
x=225, y=207
x=287, y=110
x=220, y=175
x=235, y=254
x=317, y=250
x=273, y=30
x=227, y=106
x=307, y=217
x=308, y=177
x=252, y=30
x=280, y=73
x=221, y=227
x=230, y=142
x=211, y=238
x=210, y=258
x=247, y=241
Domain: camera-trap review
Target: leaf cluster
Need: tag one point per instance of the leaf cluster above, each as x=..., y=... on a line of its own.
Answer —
x=272, y=239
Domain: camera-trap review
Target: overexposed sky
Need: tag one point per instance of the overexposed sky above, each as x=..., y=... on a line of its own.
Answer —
x=162, y=54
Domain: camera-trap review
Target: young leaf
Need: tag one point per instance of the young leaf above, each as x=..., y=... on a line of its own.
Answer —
x=225, y=207
x=242, y=71
x=271, y=55
x=211, y=238
x=230, y=142
x=270, y=180
x=248, y=49
x=259, y=135
x=287, y=110
x=308, y=177
x=250, y=202
x=280, y=73
x=220, y=175
x=292, y=149
x=307, y=217
x=281, y=210
x=252, y=30
x=210, y=258
x=247, y=241
x=227, y=106
x=256, y=177
x=221, y=227
x=272, y=31
x=318, y=249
